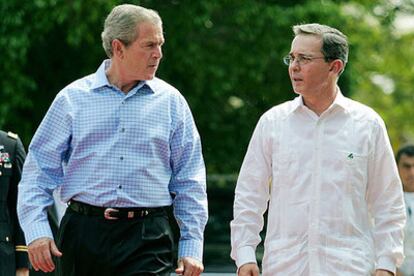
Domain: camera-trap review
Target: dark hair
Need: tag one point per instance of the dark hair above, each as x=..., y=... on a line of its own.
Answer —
x=407, y=150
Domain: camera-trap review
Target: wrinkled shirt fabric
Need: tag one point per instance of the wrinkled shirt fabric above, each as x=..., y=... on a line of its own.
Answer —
x=332, y=190
x=407, y=267
x=103, y=147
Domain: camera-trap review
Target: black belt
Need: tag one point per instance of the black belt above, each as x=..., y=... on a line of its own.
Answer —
x=112, y=213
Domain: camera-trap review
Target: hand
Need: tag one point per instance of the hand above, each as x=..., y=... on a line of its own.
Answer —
x=249, y=269
x=382, y=272
x=22, y=272
x=188, y=266
x=40, y=254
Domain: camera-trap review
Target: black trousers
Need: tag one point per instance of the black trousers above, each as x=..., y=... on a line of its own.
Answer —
x=92, y=245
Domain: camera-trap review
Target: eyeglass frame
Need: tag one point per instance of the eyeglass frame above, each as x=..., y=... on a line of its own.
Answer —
x=287, y=60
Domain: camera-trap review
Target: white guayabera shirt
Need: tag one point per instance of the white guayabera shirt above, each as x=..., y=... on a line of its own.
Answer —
x=335, y=200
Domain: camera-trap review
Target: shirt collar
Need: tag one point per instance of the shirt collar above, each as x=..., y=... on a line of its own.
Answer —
x=152, y=84
x=101, y=79
x=340, y=100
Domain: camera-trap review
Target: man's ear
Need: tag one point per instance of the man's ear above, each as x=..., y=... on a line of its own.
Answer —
x=337, y=66
x=117, y=48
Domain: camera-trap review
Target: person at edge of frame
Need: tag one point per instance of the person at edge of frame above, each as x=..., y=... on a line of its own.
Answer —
x=405, y=163
x=13, y=249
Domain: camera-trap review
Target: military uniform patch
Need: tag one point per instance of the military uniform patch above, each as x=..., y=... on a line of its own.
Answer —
x=12, y=135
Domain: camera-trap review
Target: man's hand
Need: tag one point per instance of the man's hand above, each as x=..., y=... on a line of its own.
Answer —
x=22, y=272
x=188, y=266
x=40, y=254
x=250, y=269
x=382, y=272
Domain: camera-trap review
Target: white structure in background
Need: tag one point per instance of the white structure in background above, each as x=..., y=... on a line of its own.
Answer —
x=404, y=23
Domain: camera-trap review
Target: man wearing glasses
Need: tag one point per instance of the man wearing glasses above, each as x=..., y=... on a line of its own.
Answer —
x=323, y=166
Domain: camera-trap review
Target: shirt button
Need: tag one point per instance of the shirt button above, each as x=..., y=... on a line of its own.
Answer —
x=122, y=129
x=122, y=158
x=120, y=186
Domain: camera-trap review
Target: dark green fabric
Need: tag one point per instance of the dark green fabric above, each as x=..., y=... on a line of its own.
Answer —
x=10, y=231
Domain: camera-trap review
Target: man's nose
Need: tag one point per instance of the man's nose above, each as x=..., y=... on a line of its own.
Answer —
x=295, y=65
x=157, y=53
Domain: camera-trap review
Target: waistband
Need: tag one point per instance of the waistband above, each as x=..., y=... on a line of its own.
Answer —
x=113, y=213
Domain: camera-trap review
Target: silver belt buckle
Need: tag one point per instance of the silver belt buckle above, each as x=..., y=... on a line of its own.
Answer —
x=107, y=213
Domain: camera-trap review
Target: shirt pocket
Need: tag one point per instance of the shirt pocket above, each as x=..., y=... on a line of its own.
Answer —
x=355, y=166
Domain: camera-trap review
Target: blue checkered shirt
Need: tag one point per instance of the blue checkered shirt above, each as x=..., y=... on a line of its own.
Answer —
x=106, y=148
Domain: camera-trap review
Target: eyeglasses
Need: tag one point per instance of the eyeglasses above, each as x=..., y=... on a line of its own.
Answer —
x=301, y=60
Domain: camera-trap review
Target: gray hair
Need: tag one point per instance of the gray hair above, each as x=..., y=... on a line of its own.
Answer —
x=334, y=43
x=122, y=24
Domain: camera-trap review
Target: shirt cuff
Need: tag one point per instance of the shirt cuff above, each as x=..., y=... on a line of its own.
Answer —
x=386, y=263
x=190, y=248
x=245, y=255
x=39, y=231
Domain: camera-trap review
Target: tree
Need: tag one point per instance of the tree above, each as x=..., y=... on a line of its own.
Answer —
x=225, y=56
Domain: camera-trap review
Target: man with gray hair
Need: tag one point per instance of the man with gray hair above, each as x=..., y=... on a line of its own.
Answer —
x=323, y=167
x=121, y=145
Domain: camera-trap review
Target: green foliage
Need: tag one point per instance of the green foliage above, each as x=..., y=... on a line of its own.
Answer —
x=224, y=56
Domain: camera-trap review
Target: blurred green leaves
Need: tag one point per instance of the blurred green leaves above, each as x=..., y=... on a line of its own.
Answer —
x=223, y=55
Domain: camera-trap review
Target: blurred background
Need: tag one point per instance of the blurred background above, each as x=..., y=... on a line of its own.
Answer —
x=225, y=56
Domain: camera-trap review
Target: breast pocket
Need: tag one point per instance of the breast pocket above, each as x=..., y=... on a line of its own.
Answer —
x=355, y=166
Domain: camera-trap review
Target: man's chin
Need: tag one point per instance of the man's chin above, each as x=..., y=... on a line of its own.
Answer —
x=297, y=91
x=149, y=77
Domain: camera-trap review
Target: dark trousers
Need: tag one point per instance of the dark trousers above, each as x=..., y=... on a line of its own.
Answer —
x=92, y=245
